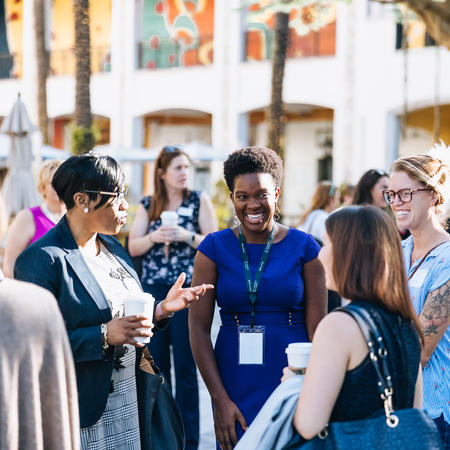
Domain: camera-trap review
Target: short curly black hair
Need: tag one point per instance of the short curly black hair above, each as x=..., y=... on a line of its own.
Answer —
x=252, y=160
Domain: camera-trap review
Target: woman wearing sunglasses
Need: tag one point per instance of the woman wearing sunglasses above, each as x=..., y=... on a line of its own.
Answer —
x=419, y=190
x=167, y=251
x=89, y=273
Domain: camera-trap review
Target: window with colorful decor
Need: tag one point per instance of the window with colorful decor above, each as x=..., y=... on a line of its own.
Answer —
x=312, y=32
x=176, y=33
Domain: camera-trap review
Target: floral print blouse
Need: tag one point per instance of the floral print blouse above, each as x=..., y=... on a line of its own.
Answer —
x=156, y=269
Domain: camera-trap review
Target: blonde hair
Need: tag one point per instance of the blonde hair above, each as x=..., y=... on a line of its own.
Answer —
x=46, y=173
x=324, y=193
x=429, y=171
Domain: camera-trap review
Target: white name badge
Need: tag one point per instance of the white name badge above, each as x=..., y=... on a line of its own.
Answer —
x=251, y=344
x=418, y=278
x=185, y=211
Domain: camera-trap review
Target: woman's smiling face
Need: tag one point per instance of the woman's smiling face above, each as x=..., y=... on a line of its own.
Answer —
x=254, y=198
x=413, y=214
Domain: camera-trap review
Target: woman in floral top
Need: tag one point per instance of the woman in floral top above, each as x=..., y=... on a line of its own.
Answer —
x=168, y=251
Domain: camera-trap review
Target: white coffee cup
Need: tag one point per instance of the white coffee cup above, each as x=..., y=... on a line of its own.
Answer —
x=298, y=354
x=169, y=218
x=140, y=303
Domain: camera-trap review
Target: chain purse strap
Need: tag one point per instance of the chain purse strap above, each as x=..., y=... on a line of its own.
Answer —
x=378, y=356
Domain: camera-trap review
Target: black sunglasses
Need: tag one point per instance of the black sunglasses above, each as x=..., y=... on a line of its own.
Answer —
x=171, y=149
x=382, y=173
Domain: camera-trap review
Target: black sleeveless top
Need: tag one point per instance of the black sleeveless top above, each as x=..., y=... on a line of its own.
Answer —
x=359, y=397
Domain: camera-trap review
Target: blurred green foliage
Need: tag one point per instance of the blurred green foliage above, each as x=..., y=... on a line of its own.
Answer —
x=83, y=139
x=222, y=205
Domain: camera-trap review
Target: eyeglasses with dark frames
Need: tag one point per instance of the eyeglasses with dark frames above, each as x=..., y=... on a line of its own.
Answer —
x=405, y=195
x=120, y=196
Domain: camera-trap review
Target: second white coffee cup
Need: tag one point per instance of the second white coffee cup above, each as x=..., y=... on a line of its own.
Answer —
x=298, y=354
x=140, y=303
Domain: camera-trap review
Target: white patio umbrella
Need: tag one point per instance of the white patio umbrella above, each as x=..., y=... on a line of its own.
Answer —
x=19, y=189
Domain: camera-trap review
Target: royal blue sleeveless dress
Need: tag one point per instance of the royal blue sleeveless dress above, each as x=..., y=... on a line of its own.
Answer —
x=279, y=307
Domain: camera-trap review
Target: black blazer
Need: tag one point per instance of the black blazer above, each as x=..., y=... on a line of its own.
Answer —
x=56, y=263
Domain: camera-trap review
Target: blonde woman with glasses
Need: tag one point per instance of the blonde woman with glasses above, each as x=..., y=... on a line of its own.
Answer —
x=418, y=193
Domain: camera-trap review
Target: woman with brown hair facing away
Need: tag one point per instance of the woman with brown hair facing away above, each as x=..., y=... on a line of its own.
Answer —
x=167, y=251
x=419, y=191
x=363, y=262
x=324, y=201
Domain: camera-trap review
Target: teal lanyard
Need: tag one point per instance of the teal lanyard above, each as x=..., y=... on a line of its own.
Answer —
x=252, y=285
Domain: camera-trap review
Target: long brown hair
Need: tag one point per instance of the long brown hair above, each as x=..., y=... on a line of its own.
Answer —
x=368, y=260
x=159, y=197
x=323, y=195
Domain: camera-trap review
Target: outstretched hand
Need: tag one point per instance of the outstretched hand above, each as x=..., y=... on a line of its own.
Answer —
x=179, y=298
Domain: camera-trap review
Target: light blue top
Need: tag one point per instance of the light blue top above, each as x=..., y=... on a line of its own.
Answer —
x=433, y=273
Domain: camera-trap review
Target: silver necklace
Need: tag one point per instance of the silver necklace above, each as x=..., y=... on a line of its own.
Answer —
x=117, y=273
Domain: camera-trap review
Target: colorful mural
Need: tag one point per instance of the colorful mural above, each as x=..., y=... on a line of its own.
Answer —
x=303, y=41
x=177, y=33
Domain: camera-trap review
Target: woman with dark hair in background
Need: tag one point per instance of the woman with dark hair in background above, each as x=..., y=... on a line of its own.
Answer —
x=419, y=192
x=363, y=262
x=287, y=298
x=90, y=274
x=369, y=190
x=324, y=201
x=167, y=251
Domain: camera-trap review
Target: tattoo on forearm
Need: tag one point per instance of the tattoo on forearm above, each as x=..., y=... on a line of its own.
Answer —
x=435, y=311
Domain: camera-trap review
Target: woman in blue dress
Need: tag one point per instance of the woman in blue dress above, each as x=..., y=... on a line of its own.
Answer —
x=284, y=306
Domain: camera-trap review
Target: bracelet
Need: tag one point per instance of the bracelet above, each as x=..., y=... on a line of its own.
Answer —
x=104, y=330
x=191, y=239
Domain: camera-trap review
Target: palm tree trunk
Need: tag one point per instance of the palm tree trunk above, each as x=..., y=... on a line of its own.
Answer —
x=83, y=115
x=276, y=117
x=43, y=67
x=84, y=140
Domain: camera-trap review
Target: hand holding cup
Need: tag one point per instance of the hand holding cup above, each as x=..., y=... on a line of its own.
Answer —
x=168, y=219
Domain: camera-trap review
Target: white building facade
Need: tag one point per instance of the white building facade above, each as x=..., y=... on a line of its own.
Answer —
x=343, y=108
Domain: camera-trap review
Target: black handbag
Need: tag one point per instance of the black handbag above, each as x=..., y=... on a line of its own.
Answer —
x=160, y=422
x=410, y=429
